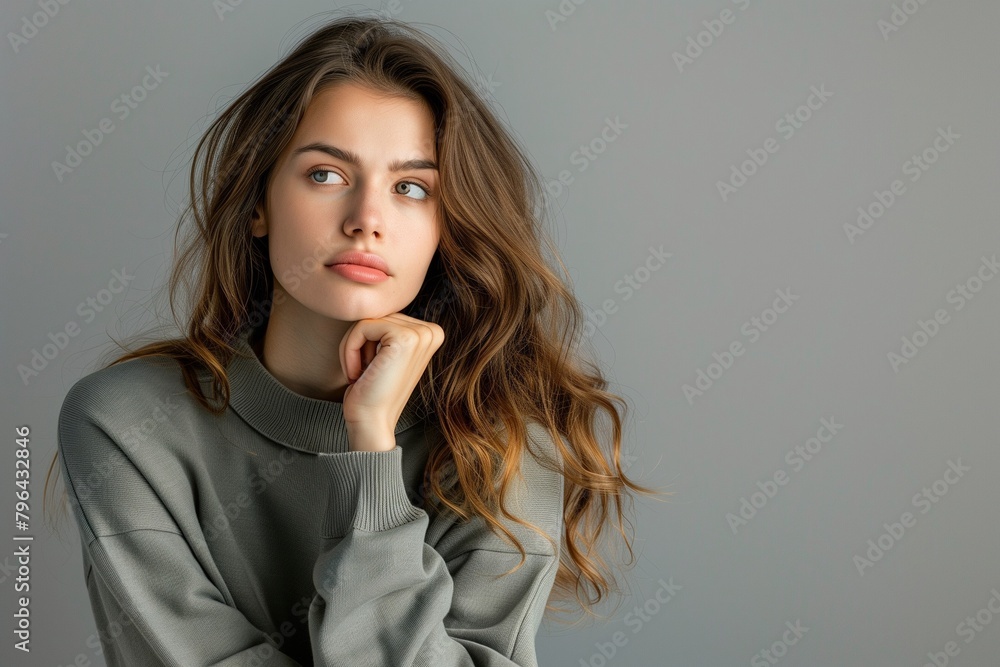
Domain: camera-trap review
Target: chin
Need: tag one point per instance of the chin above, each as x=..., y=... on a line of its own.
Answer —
x=353, y=314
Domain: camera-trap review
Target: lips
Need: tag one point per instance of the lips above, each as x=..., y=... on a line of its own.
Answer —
x=368, y=259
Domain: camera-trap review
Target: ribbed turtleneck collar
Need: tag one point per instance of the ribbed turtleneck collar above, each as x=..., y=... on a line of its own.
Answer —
x=286, y=417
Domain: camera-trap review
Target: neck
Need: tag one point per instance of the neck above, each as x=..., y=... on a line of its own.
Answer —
x=304, y=354
x=286, y=416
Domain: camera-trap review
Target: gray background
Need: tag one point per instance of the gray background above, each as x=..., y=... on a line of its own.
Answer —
x=555, y=84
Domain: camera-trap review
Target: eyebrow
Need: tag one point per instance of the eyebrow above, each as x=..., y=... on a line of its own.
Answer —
x=354, y=159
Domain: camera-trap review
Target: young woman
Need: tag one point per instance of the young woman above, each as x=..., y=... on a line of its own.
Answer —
x=374, y=444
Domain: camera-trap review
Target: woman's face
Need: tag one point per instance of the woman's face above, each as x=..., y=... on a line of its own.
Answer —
x=357, y=175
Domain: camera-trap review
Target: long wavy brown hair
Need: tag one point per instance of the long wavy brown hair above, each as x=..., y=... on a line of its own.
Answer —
x=516, y=357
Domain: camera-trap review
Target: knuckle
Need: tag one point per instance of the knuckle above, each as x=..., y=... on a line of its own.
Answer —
x=409, y=336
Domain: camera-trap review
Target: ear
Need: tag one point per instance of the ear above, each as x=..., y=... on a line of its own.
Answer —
x=258, y=225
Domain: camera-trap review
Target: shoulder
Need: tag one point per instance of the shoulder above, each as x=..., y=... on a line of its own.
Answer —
x=540, y=467
x=540, y=456
x=118, y=439
x=533, y=494
x=119, y=398
x=124, y=387
x=541, y=443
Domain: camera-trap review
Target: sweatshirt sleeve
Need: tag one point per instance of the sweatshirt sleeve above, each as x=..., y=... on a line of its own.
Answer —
x=387, y=597
x=151, y=597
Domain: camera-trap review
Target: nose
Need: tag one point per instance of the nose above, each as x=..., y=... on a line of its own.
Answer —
x=365, y=212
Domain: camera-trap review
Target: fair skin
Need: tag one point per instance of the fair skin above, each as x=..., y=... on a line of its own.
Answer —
x=329, y=336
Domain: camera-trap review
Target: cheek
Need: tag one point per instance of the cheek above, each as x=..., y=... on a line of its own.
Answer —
x=430, y=239
x=296, y=227
x=422, y=253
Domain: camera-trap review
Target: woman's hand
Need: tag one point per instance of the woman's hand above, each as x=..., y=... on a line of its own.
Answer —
x=383, y=359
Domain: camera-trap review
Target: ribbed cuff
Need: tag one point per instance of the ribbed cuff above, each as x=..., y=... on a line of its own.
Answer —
x=366, y=492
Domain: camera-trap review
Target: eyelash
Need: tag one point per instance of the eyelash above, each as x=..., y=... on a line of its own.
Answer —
x=430, y=193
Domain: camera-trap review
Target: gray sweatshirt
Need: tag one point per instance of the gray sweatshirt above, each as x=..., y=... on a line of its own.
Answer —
x=258, y=538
